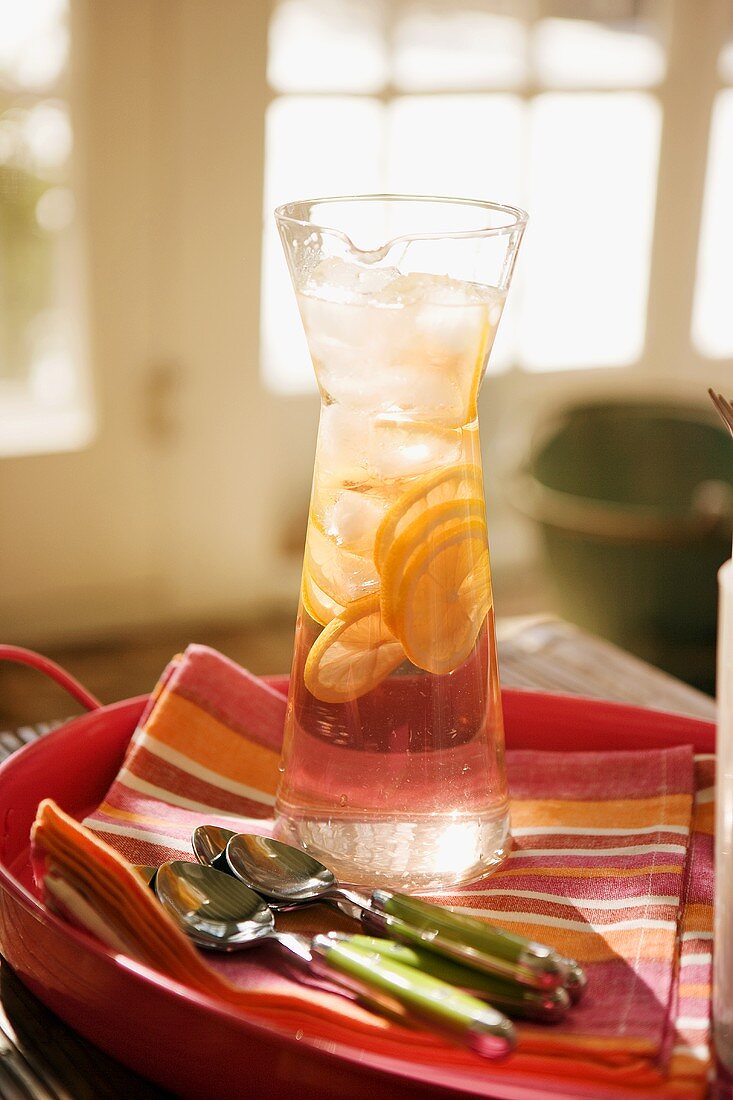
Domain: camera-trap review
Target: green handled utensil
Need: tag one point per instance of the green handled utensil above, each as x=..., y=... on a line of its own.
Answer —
x=474, y=943
x=428, y=999
x=288, y=877
x=220, y=913
x=509, y=997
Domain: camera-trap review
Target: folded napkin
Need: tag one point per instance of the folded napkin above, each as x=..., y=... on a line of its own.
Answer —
x=609, y=865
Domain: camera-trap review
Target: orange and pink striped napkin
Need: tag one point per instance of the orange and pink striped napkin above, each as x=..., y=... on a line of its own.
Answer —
x=612, y=864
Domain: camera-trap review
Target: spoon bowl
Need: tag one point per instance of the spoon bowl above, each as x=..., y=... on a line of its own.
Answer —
x=209, y=844
x=220, y=913
x=277, y=870
x=215, y=910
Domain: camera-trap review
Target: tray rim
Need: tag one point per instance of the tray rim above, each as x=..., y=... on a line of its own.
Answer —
x=85, y=941
x=521, y=1085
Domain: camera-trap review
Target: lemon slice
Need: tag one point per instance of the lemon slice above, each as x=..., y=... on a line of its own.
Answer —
x=487, y=338
x=451, y=483
x=352, y=655
x=423, y=531
x=437, y=588
x=317, y=603
x=341, y=574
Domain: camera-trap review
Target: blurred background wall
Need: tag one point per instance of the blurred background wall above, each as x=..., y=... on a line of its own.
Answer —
x=157, y=408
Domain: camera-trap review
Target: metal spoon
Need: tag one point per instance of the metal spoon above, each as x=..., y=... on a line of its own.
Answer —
x=548, y=1006
x=284, y=874
x=265, y=866
x=222, y=914
x=209, y=843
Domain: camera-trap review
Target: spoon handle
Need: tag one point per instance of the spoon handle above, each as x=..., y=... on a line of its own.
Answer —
x=470, y=941
x=506, y=996
x=428, y=1000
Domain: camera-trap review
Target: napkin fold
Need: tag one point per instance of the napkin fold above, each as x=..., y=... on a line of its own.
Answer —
x=609, y=865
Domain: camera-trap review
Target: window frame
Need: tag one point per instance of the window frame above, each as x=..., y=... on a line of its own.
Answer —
x=668, y=347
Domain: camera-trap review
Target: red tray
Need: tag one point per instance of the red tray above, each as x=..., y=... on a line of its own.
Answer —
x=187, y=1042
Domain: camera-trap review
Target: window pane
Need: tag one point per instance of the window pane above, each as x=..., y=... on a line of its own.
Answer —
x=34, y=43
x=36, y=207
x=593, y=166
x=572, y=53
x=327, y=46
x=439, y=47
x=713, y=317
x=314, y=146
x=43, y=400
x=464, y=145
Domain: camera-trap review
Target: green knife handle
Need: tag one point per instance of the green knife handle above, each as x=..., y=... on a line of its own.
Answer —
x=474, y=942
x=544, y=1006
x=427, y=999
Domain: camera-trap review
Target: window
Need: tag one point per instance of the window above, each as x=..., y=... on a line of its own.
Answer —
x=43, y=404
x=713, y=317
x=552, y=112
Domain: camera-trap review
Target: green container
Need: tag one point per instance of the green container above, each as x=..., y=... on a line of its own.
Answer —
x=634, y=502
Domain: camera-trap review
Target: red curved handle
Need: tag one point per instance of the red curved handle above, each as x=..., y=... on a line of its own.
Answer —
x=27, y=657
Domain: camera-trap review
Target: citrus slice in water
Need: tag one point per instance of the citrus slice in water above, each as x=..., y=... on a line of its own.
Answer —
x=353, y=654
x=426, y=530
x=437, y=586
x=317, y=603
x=487, y=338
x=342, y=574
x=449, y=484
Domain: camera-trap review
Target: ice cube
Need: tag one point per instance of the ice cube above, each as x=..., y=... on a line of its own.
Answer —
x=403, y=448
x=419, y=287
x=363, y=449
x=343, y=444
x=424, y=390
x=375, y=280
x=334, y=273
x=451, y=330
x=336, y=280
x=353, y=517
x=352, y=347
x=411, y=347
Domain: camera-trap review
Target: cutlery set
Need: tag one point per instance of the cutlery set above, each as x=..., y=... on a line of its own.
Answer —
x=453, y=973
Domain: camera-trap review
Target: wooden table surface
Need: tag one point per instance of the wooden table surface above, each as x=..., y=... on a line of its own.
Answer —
x=543, y=654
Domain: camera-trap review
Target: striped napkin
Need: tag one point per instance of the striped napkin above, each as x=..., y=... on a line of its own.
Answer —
x=610, y=865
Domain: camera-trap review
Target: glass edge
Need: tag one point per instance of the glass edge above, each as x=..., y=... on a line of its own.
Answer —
x=283, y=214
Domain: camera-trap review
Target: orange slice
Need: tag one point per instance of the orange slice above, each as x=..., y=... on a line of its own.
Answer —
x=317, y=603
x=353, y=654
x=423, y=531
x=451, y=483
x=437, y=593
x=488, y=333
x=341, y=574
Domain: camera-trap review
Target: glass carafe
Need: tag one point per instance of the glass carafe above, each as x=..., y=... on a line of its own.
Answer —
x=393, y=768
